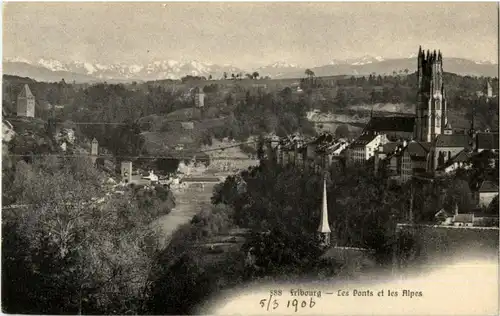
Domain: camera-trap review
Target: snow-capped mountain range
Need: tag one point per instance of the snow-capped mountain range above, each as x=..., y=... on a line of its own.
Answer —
x=164, y=69
x=47, y=69
x=357, y=61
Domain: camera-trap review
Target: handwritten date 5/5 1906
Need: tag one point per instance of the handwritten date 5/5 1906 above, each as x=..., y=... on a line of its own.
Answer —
x=275, y=301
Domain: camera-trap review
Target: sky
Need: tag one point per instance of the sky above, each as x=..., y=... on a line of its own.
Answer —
x=247, y=34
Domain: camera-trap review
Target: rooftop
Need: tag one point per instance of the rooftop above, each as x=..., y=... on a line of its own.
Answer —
x=488, y=186
x=464, y=218
x=391, y=123
x=419, y=149
x=25, y=92
x=454, y=140
x=323, y=138
x=363, y=139
x=390, y=147
x=487, y=141
x=462, y=156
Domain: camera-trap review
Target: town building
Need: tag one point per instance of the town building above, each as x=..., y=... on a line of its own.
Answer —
x=199, y=98
x=187, y=125
x=447, y=146
x=487, y=192
x=26, y=102
x=443, y=217
x=292, y=150
x=460, y=160
x=153, y=178
x=487, y=92
x=259, y=85
x=463, y=220
x=431, y=109
x=486, y=141
x=401, y=161
x=317, y=152
x=383, y=155
x=364, y=147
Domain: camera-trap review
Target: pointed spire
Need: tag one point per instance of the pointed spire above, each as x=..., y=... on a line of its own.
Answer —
x=456, y=208
x=94, y=141
x=324, y=227
x=25, y=92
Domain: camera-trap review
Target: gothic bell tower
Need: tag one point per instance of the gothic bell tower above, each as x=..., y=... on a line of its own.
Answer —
x=431, y=109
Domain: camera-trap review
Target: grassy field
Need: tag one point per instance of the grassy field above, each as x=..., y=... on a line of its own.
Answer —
x=448, y=244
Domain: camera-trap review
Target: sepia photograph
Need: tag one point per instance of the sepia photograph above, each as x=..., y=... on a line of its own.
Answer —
x=250, y=158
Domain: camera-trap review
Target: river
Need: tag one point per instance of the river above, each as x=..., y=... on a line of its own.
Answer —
x=189, y=202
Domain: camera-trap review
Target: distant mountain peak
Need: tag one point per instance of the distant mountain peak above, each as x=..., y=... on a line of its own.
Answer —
x=281, y=64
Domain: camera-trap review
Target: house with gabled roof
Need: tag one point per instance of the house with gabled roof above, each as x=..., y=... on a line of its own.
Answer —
x=460, y=160
x=291, y=150
x=463, y=220
x=364, y=147
x=448, y=146
x=316, y=151
x=403, y=160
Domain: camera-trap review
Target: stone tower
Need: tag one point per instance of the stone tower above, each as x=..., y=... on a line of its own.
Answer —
x=489, y=90
x=126, y=171
x=324, y=230
x=199, y=98
x=94, y=151
x=26, y=102
x=431, y=109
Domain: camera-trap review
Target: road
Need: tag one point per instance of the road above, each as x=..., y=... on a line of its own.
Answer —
x=188, y=203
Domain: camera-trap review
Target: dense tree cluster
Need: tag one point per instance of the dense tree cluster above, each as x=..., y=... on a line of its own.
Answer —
x=73, y=248
x=287, y=202
x=262, y=114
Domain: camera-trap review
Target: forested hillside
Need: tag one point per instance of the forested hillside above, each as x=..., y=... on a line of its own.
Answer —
x=233, y=108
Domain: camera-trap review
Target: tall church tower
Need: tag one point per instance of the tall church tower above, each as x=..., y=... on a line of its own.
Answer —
x=26, y=102
x=324, y=230
x=431, y=109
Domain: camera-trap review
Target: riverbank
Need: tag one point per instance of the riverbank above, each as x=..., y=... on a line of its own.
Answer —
x=188, y=203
